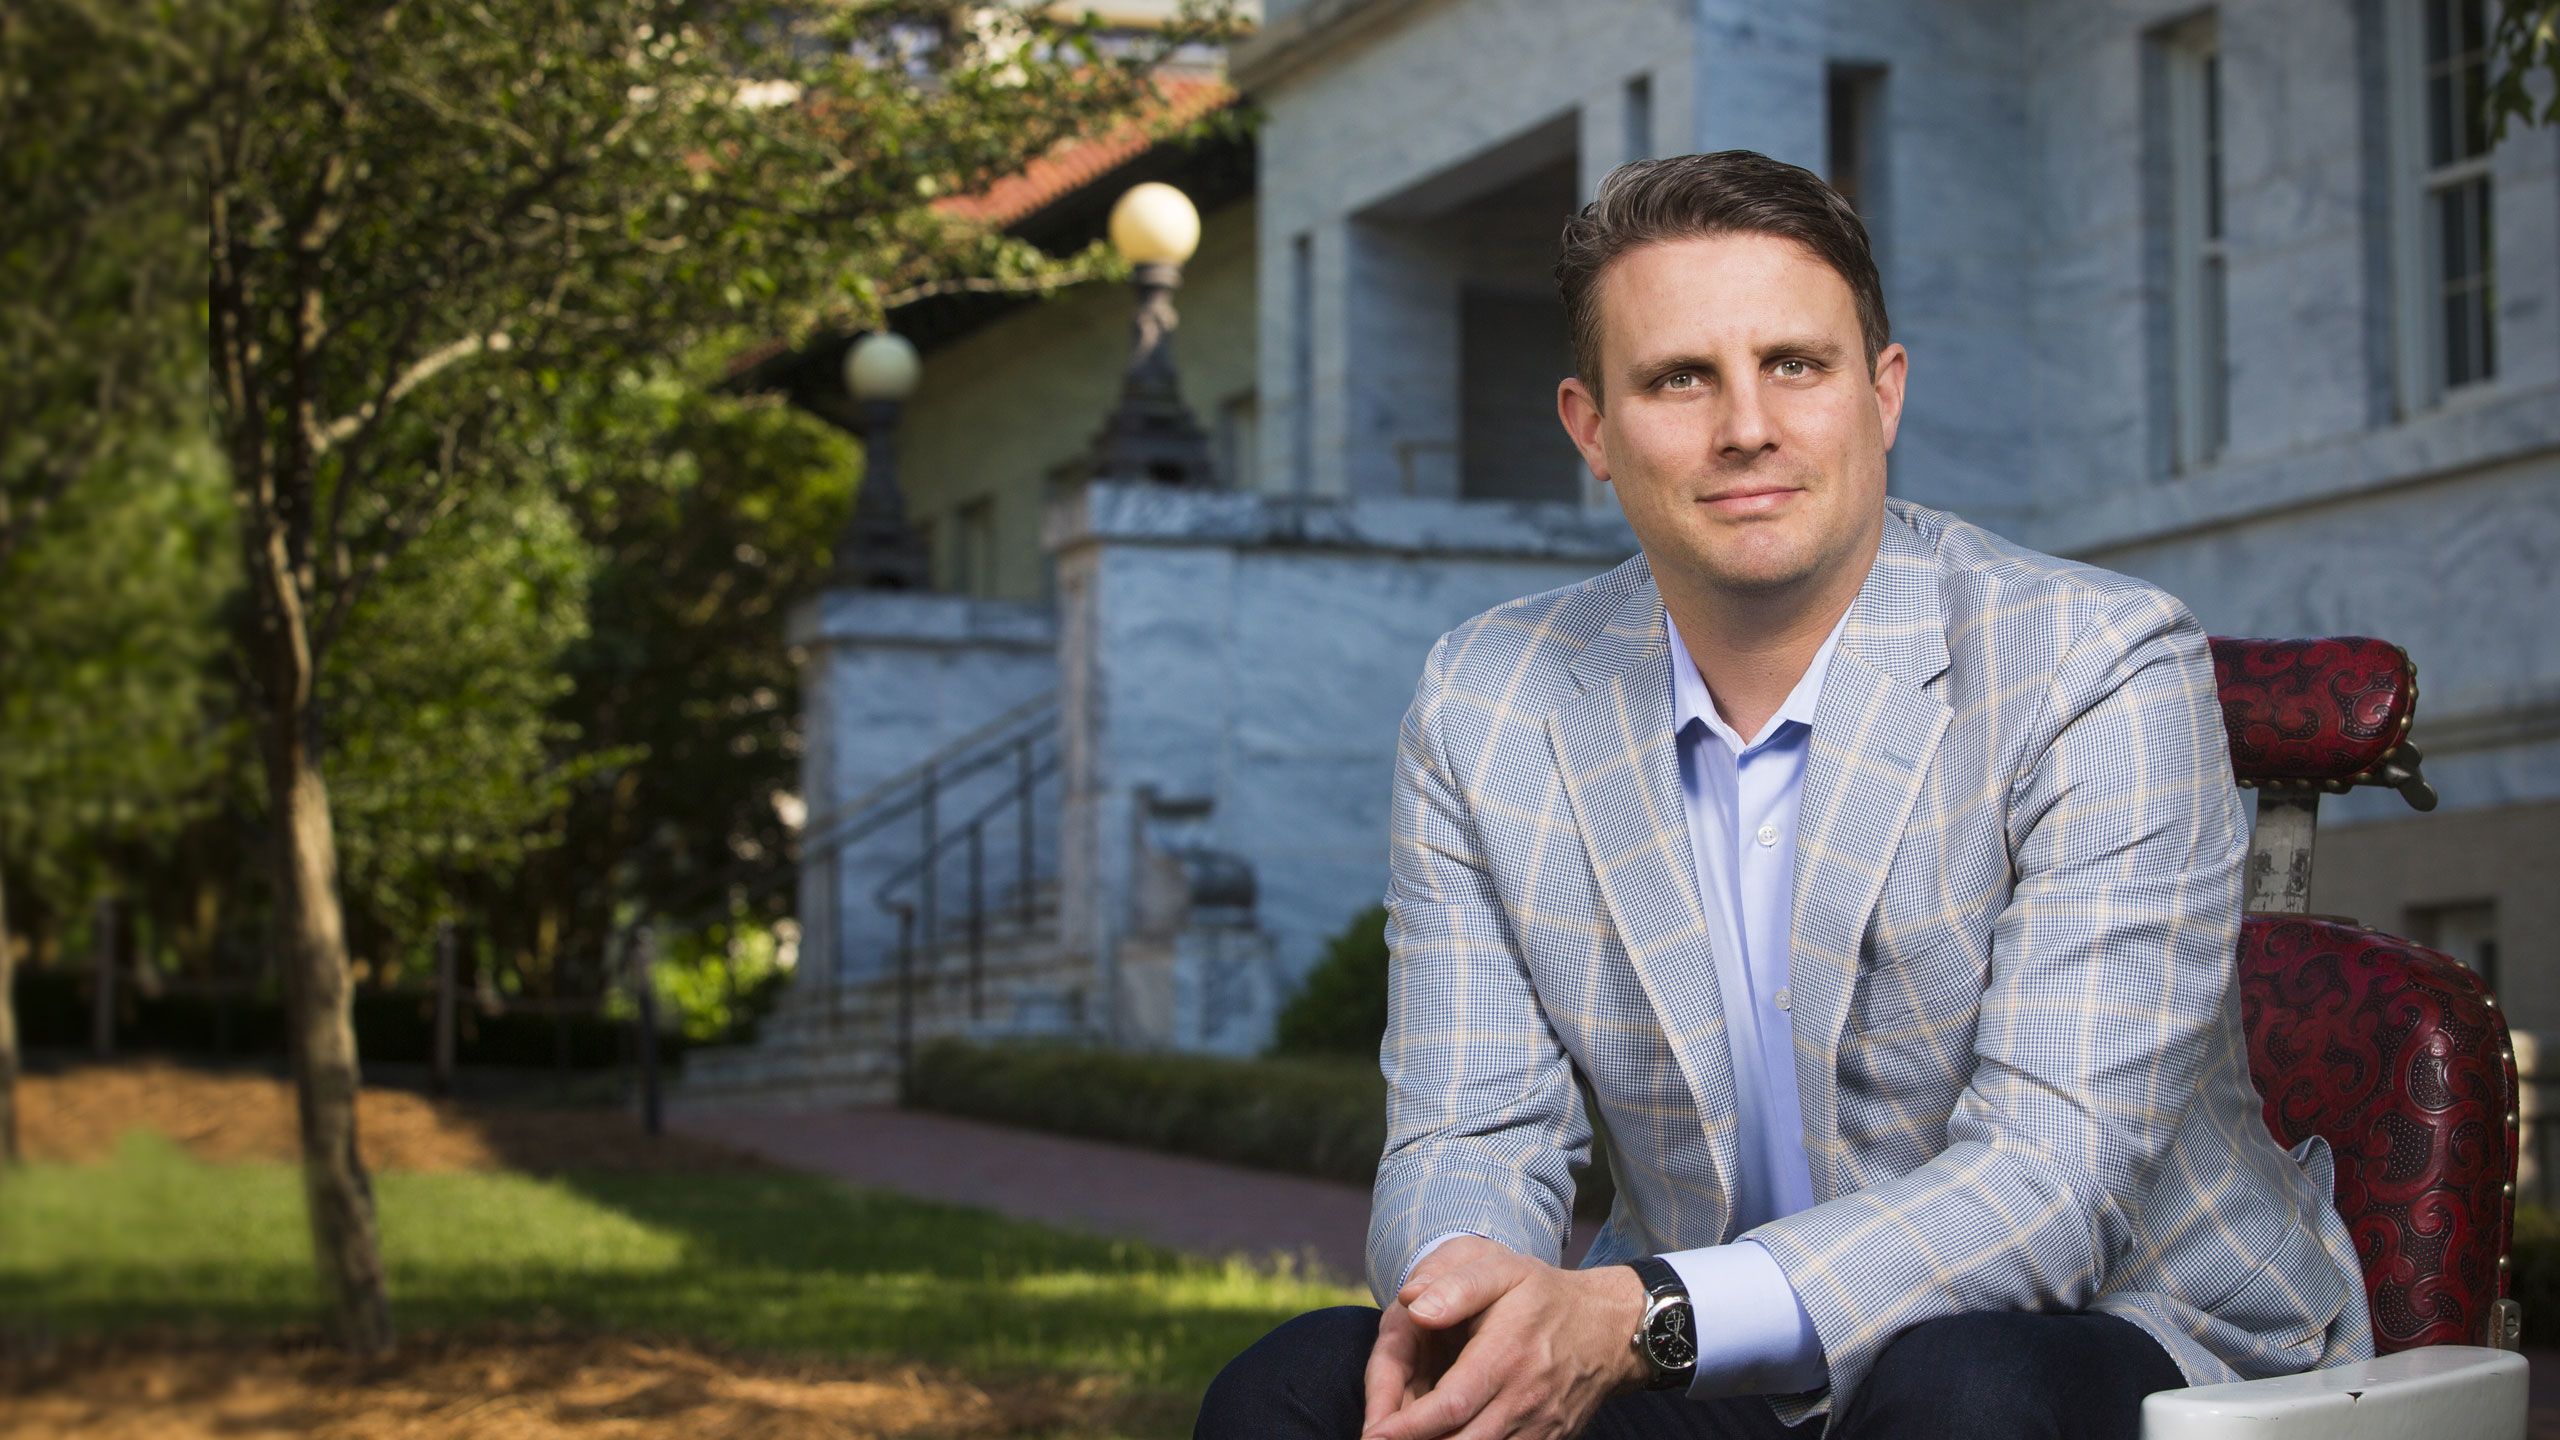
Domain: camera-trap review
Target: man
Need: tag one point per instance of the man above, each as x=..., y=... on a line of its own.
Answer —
x=1879, y=878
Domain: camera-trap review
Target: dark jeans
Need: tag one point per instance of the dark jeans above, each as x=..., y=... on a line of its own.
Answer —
x=2003, y=1376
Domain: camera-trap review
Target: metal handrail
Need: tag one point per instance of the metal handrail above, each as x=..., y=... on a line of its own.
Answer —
x=909, y=893
x=996, y=734
x=1041, y=770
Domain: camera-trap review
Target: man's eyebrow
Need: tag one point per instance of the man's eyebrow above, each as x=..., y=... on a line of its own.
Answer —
x=1819, y=349
x=1815, y=348
x=1643, y=370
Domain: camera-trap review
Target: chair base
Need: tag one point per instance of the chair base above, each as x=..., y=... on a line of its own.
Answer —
x=2438, y=1391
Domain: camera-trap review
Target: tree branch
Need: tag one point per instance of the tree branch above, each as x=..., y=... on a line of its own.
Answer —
x=327, y=437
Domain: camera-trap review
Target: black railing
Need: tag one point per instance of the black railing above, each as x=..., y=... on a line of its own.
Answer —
x=995, y=774
x=913, y=892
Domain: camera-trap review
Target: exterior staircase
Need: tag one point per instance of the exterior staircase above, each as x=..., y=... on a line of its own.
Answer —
x=989, y=967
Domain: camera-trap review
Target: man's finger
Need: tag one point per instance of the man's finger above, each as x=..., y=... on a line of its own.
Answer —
x=1392, y=1362
x=1461, y=1393
x=1460, y=1293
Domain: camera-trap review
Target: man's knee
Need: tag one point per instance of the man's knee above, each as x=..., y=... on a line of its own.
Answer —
x=2012, y=1375
x=1301, y=1380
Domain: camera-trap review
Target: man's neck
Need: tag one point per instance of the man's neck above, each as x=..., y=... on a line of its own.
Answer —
x=1751, y=649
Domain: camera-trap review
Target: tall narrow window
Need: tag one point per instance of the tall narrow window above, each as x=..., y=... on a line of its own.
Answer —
x=1239, y=422
x=1853, y=130
x=1302, y=363
x=2199, y=258
x=2447, y=263
x=973, y=558
x=1639, y=118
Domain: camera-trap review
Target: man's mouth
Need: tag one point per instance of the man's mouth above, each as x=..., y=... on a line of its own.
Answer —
x=1756, y=501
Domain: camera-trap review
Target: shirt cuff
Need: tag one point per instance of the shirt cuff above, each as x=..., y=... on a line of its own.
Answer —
x=1434, y=1243
x=1754, y=1337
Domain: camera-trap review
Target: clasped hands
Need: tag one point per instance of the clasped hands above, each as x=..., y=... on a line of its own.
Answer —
x=1483, y=1342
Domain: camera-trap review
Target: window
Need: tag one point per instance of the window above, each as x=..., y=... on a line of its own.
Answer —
x=2445, y=262
x=1302, y=363
x=1238, y=441
x=1638, y=118
x=2467, y=931
x=2199, y=258
x=1853, y=146
x=973, y=548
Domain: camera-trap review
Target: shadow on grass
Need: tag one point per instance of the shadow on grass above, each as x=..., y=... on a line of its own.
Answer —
x=760, y=1262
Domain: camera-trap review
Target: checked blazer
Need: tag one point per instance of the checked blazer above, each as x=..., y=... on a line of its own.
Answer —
x=2016, y=900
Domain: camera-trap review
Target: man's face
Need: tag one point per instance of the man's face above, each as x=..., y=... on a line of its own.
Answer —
x=1738, y=418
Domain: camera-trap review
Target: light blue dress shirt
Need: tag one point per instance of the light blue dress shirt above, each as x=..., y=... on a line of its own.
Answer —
x=1754, y=1337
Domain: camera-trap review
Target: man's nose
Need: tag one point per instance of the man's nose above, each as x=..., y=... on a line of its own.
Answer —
x=1744, y=433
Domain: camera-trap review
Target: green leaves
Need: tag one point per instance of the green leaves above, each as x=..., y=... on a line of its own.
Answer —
x=111, y=727
x=2526, y=40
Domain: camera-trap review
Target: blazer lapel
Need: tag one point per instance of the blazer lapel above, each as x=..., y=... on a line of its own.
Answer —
x=1621, y=773
x=1875, y=731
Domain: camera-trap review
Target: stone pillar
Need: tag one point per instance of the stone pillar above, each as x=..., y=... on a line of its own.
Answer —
x=889, y=679
x=1232, y=669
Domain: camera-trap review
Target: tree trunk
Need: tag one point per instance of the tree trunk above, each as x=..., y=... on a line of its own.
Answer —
x=8, y=1025
x=273, y=489
x=321, y=1023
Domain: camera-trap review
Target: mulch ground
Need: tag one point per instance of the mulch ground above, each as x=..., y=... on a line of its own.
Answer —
x=498, y=1388
x=226, y=1116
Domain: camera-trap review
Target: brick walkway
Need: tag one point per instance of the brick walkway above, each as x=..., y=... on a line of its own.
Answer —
x=1193, y=1205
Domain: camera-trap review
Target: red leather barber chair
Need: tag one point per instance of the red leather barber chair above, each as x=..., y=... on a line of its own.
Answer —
x=2396, y=1054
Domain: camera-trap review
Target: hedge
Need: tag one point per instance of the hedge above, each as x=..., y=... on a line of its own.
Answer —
x=53, y=1013
x=1318, y=1117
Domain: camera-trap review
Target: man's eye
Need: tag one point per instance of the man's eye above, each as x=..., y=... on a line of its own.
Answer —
x=1793, y=369
x=1680, y=380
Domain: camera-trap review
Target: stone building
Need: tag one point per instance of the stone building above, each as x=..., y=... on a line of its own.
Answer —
x=2231, y=297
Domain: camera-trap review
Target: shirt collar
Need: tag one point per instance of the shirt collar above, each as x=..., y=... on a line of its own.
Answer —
x=1690, y=700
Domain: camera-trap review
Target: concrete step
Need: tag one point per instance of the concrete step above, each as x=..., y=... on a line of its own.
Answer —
x=828, y=1045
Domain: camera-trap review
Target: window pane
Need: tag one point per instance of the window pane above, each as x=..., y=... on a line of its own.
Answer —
x=2453, y=240
x=2440, y=103
x=2217, y=357
x=2213, y=146
x=2457, y=339
x=2439, y=28
x=2472, y=95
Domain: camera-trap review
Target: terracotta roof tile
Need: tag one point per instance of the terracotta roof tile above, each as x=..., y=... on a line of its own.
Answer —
x=1076, y=163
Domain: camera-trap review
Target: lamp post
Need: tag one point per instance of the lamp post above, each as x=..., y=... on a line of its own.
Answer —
x=1151, y=434
x=879, y=550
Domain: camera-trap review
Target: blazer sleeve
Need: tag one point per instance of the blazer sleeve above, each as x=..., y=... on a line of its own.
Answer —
x=2110, y=977
x=1484, y=1123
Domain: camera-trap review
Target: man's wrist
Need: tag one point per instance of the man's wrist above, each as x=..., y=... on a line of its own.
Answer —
x=1621, y=1305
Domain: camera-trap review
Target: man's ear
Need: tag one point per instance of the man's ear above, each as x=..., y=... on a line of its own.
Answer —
x=1893, y=367
x=1579, y=409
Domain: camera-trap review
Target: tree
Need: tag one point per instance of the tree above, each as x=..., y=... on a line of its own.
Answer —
x=710, y=515
x=109, y=724
x=445, y=756
x=101, y=277
x=416, y=213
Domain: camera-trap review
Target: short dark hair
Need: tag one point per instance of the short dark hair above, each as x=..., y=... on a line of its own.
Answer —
x=1684, y=197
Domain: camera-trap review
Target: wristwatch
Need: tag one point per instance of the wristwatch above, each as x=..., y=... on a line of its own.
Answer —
x=1667, y=1337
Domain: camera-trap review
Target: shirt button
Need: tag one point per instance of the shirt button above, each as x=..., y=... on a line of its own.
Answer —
x=1768, y=835
x=1783, y=999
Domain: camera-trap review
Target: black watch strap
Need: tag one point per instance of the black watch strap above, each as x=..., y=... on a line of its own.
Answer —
x=1658, y=1276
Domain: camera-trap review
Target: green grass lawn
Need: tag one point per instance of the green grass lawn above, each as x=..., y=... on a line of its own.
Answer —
x=774, y=1263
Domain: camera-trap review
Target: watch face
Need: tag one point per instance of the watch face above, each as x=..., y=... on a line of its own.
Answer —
x=1670, y=1340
